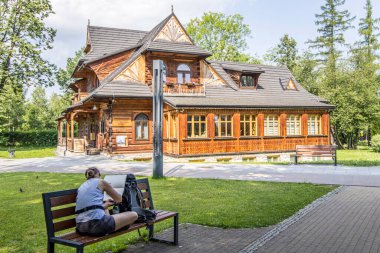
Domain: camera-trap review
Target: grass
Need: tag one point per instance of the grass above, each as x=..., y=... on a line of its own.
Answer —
x=221, y=203
x=28, y=152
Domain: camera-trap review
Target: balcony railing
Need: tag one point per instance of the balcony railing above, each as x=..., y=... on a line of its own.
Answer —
x=186, y=89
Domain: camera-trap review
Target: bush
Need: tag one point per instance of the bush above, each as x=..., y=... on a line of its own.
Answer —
x=29, y=138
x=375, y=142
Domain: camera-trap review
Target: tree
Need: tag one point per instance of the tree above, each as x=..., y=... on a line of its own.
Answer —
x=37, y=115
x=23, y=38
x=285, y=53
x=57, y=104
x=11, y=109
x=306, y=72
x=224, y=36
x=363, y=57
x=64, y=76
x=332, y=23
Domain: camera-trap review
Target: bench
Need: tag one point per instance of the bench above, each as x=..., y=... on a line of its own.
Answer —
x=316, y=151
x=61, y=205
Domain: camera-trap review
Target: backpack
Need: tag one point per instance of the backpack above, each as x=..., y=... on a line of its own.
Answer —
x=132, y=200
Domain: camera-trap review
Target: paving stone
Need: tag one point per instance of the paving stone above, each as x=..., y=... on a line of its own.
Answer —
x=347, y=222
x=197, y=238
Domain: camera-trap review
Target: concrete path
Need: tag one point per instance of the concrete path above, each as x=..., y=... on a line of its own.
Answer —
x=349, y=222
x=197, y=238
x=320, y=174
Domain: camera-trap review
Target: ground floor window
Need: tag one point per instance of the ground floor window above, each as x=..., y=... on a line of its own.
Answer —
x=248, y=125
x=314, y=124
x=141, y=127
x=196, y=126
x=223, y=125
x=293, y=125
x=271, y=125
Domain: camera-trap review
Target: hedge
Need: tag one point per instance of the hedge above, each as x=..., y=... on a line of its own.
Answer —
x=29, y=138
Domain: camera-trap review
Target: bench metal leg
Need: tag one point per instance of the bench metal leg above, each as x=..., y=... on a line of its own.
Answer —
x=80, y=250
x=50, y=247
x=175, y=239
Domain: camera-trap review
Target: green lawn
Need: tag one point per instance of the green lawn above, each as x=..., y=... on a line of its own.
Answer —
x=29, y=152
x=360, y=157
x=222, y=203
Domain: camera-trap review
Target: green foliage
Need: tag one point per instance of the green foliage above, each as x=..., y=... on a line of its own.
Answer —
x=306, y=72
x=46, y=138
x=23, y=39
x=224, y=36
x=332, y=23
x=64, y=76
x=37, y=115
x=12, y=108
x=285, y=53
x=199, y=201
x=375, y=143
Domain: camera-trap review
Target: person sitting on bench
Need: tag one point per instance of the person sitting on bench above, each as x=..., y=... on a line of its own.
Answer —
x=93, y=217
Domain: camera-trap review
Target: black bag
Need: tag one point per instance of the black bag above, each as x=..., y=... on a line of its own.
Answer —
x=132, y=200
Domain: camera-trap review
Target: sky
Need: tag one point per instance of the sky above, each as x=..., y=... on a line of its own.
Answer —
x=268, y=20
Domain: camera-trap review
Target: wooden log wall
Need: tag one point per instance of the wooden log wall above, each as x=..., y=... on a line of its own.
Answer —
x=172, y=63
x=105, y=66
x=259, y=143
x=123, y=124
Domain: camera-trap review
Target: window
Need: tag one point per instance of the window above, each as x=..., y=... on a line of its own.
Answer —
x=248, y=125
x=223, y=125
x=141, y=127
x=247, y=81
x=183, y=74
x=314, y=124
x=271, y=126
x=293, y=125
x=196, y=126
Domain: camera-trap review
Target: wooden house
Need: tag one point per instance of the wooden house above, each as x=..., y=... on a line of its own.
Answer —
x=210, y=107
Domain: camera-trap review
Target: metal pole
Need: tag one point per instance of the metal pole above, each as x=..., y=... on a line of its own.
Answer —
x=158, y=74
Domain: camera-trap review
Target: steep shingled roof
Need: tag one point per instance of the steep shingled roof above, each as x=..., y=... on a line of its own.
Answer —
x=106, y=41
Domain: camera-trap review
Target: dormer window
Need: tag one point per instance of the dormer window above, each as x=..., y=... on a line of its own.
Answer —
x=247, y=81
x=183, y=74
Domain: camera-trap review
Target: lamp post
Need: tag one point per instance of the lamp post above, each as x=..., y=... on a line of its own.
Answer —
x=158, y=79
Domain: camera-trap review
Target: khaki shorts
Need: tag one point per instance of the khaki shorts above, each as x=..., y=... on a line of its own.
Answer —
x=105, y=225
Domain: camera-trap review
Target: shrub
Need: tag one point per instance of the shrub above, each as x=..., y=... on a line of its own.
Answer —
x=375, y=142
x=29, y=138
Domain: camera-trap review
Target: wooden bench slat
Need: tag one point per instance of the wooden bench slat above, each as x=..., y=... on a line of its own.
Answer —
x=63, y=200
x=63, y=212
x=142, y=186
x=145, y=195
x=62, y=225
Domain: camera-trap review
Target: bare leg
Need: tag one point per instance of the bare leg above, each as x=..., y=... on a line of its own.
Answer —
x=124, y=219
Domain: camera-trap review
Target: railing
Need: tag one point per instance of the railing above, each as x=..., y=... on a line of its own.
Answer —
x=187, y=89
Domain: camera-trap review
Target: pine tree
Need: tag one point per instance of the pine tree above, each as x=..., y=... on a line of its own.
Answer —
x=285, y=53
x=332, y=23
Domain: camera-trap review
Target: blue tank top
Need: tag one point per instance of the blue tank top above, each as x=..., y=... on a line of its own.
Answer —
x=89, y=194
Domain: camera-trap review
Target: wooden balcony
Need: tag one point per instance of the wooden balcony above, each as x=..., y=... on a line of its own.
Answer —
x=187, y=89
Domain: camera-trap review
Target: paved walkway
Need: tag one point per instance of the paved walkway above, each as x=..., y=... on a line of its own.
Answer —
x=196, y=238
x=320, y=174
x=348, y=222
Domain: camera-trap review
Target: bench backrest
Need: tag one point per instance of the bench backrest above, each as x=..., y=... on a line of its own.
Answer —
x=59, y=207
x=316, y=149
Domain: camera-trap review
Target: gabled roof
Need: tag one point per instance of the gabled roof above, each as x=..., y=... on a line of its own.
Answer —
x=106, y=41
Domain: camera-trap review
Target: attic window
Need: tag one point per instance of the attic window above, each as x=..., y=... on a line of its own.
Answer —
x=291, y=85
x=183, y=74
x=248, y=80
